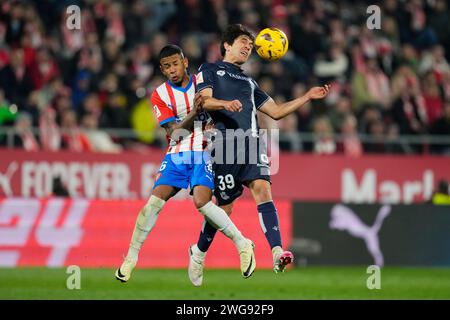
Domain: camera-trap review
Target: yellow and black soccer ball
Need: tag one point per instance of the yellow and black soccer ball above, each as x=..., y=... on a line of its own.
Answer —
x=271, y=44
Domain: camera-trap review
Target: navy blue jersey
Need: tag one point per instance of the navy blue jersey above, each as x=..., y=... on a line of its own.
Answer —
x=228, y=82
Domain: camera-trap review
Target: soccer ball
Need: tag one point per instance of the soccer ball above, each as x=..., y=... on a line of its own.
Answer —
x=271, y=44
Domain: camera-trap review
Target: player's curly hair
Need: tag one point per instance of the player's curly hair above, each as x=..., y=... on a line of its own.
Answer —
x=232, y=32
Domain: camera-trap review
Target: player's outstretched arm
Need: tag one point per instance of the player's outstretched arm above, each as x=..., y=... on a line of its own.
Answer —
x=278, y=111
x=213, y=104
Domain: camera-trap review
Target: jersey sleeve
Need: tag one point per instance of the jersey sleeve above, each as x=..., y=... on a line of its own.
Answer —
x=261, y=96
x=161, y=110
x=205, y=77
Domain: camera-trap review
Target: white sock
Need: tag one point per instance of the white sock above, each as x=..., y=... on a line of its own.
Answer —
x=144, y=224
x=220, y=219
x=277, y=249
x=198, y=255
x=197, y=251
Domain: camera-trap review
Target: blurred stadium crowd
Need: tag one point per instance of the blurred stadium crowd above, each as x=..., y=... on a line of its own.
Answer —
x=73, y=84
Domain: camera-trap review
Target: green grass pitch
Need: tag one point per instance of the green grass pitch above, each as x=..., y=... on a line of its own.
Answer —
x=168, y=284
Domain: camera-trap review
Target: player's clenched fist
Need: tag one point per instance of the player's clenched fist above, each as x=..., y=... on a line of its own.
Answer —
x=233, y=106
x=319, y=92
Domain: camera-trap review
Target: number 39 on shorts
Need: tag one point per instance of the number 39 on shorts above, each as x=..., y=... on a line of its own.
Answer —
x=226, y=182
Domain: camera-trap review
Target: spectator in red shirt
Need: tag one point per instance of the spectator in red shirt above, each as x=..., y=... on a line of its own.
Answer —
x=432, y=97
x=43, y=69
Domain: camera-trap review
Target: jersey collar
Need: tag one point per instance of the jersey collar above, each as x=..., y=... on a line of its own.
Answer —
x=181, y=88
x=229, y=65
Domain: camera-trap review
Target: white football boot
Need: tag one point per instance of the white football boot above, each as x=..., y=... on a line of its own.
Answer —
x=196, y=263
x=248, y=260
x=123, y=274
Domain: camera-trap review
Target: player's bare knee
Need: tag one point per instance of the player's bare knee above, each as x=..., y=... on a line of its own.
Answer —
x=261, y=193
x=161, y=195
x=164, y=192
x=266, y=195
x=202, y=195
x=200, y=201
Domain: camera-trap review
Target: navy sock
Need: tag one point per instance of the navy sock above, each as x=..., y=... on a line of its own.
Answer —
x=268, y=218
x=206, y=236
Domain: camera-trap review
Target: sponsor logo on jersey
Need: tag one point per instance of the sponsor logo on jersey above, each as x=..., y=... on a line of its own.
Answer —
x=236, y=76
x=200, y=77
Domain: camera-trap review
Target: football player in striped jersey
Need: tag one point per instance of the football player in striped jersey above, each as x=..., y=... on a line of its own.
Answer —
x=186, y=164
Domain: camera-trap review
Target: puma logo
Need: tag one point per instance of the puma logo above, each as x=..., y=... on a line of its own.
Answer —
x=344, y=219
x=5, y=178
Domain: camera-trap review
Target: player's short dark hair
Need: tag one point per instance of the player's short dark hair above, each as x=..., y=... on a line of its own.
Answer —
x=170, y=50
x=232, y=32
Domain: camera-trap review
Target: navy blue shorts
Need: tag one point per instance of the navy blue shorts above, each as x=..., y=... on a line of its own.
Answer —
x=230, y=178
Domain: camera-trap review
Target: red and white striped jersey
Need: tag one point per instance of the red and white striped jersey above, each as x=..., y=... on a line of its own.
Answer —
x=172, y=103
